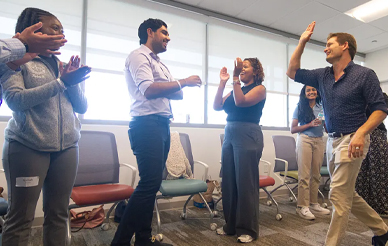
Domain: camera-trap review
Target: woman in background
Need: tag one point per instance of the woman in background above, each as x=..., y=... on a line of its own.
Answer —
x=308, y=122
x=41, y=139
x=242, y=148
x=372, y=180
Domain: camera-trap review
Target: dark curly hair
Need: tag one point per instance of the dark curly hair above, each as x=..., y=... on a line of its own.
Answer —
x=257, y=69
x=305, y=112
x=29, y=17
x=154, y=24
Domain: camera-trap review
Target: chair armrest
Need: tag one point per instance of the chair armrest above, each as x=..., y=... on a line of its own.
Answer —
x=267, y=163
x=285, y=168
x=134, y=171
x=206, y=166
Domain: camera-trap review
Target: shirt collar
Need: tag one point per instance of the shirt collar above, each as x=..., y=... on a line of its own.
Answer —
x=350, y=64
x=149, y=51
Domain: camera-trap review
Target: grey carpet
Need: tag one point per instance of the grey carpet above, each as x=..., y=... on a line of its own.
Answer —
x=195, y=230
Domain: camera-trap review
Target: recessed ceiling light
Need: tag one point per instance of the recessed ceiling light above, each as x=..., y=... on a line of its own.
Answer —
x=370, y=11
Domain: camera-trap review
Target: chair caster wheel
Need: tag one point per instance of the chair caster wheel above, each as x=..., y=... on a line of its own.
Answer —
x=291, y=199
x=324, y=205
x=269, y=202
x=105, y=226
x=183, y=216
x=159, y=237
x=279, y=217
x=213, y=226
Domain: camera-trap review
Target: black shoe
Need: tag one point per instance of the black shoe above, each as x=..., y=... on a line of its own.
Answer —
x=380, y=240
x=150, y=242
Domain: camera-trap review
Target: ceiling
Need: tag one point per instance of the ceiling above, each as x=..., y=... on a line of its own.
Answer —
x=293, y=16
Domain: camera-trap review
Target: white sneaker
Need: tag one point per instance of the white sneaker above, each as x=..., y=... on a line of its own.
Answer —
x=317, y=209
x=305, y=213
x=244, y=239
x=220, y=231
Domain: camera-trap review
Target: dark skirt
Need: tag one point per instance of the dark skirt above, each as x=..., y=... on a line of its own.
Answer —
x=372, y=181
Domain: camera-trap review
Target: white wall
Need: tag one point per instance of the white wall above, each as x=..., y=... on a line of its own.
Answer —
x=205, y=142
x=378, y=61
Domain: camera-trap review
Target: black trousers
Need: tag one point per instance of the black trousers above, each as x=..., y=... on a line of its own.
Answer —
x=241, y=153
x=150, y=142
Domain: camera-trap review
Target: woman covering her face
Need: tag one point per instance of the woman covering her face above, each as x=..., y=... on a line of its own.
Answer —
x=40, y=149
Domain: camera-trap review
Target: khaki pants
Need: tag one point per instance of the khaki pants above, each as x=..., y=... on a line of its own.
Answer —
x=343, y=172
x=309, y=155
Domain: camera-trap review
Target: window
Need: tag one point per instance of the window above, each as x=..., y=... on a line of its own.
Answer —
x=110, y=42
x=247, y=43
x=196, y=42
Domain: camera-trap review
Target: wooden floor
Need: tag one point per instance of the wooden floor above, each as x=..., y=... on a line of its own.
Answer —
x=195, y=230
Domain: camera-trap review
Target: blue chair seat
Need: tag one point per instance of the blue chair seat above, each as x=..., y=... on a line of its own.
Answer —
x=3, y=206
x=324, y=171
x=182, y=187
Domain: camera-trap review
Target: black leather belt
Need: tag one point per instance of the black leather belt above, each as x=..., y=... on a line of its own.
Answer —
x=151, y=117
x=337, y=134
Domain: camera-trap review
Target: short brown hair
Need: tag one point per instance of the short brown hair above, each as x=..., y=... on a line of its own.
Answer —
x=257, y=68
x=343, y=37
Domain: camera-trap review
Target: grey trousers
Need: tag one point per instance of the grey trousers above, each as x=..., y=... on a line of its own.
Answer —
x=241, y=153
x=27, y=172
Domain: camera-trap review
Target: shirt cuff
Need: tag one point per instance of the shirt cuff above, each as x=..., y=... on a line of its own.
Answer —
x=14, y=47
x=143, y=86
x=379, y=107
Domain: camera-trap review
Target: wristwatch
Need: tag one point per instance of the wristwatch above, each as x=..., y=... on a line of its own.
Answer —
x=236, y=82
x=26, y=46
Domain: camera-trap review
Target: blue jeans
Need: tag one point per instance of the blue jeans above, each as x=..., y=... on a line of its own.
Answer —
x=150, y=143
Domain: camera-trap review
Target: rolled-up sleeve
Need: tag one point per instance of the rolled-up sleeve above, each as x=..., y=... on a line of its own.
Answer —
x=373, y=93
x=140, y=69
x=308, y=77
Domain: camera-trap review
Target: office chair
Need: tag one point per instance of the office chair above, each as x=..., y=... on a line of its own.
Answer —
x=184, y=187
x=287, y=166
x=97, y=180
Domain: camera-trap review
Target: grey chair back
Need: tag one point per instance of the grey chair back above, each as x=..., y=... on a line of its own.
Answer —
x=285, y=147
x=186, y=144
x=98, y=159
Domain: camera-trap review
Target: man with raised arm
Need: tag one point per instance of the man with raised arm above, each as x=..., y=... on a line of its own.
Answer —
x=151, y=87
x=346, y=89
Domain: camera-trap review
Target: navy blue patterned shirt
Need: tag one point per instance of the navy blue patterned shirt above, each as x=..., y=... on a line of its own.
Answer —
x=345, y=101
